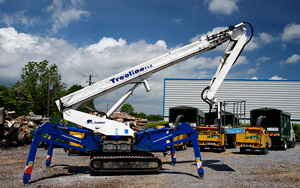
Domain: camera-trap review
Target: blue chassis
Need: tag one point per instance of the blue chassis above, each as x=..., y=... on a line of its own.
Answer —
x=150, y=140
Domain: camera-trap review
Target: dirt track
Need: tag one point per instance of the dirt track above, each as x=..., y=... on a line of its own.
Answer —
x=229, y=169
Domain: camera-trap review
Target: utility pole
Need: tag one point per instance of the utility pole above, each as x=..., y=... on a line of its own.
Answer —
x=48, y=106
x=90, y=83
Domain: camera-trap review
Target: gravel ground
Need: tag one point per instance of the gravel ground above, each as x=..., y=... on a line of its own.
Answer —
x=229, y=169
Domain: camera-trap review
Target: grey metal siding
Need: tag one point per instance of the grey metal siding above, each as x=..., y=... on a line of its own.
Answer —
x=281, y=94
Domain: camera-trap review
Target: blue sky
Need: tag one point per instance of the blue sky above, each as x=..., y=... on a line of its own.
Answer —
x=105, y=37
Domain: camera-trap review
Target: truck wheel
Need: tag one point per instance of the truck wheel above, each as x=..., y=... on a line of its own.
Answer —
x=202, y=148
x=293, y=143
x=223, y=148
x=284, y=145
x=181, y=146
x=184, y=146
x=265, y=150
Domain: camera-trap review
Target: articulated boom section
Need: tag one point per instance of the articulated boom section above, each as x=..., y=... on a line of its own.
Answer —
x=114, y=154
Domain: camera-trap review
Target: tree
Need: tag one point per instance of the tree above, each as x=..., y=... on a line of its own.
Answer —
x=157, y=117
x=35, y=79
x=140, y=115
x=127, y=108
x=15, y=98
x=4, y=96
x=130, y=110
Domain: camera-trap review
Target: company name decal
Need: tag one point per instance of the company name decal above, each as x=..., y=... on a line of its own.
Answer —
x=89, y=121
x=130, y=73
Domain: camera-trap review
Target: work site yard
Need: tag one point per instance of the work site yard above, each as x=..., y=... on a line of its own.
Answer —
x=229, y=169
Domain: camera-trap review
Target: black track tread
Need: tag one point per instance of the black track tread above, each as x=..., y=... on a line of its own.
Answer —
x=133, y=157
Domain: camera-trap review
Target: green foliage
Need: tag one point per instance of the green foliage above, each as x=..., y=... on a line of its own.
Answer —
x=296, y=128
x=140, y=115
x=31, y=93
x=155, y=124
x=15, y=98
x=157, y=117
x=35, y=79
x=127, y=108
x=4, y=96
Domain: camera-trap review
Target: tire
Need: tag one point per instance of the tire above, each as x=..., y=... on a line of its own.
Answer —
x=202, y=148
x=181, y=146
x=184, y=146
x=292, y=144
x=265, y=150
x=284, y=145
x=223, y=148
x=242, y=150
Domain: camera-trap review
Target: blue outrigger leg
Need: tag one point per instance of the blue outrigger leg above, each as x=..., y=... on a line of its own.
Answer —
x=57, y=131
x=151, y=140
x=155, y=140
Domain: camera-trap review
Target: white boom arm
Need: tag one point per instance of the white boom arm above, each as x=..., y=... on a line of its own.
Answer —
x=141, y=73
x=232, y=52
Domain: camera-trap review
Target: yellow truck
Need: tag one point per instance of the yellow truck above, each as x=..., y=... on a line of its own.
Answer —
x=209, y=137
x=254, y=138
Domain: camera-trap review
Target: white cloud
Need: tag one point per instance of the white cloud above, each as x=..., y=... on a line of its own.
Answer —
x=290, y=32
x=253, y=70
x=293, y=59
x=20, y=17
x=263, y=58
x=283, y=46
x=242, y=60
x=177, y=20
x=106, y=43
x=266, y=38
x=162, y=44
x=276, y=77
x=14, y=42
x=225, y=7
x=63, y=14
x=254, y=78
x=260, y=41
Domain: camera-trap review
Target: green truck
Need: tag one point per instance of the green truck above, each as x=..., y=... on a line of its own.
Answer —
x=278, y=125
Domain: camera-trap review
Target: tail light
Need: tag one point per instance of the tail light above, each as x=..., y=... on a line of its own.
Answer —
x=273, y=134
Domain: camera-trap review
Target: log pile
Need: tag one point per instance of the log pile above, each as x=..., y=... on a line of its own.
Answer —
x=16, y=131
x=136, y=124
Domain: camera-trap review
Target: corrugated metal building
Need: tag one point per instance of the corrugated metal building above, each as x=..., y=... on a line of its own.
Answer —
x=280, y=94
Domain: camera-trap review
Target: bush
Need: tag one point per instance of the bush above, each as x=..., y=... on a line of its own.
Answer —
x=296, y=128
x=154, y=124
